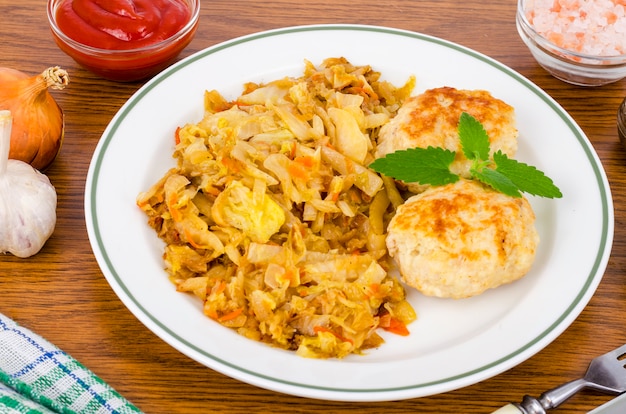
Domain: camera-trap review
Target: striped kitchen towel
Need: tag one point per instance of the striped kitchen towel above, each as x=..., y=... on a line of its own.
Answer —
x=37, y=377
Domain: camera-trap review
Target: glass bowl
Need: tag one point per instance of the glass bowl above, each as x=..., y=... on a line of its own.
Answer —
x=566, y=64
x=128, y=64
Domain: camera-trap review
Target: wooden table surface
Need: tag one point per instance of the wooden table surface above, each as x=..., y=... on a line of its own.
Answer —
x=61, y=293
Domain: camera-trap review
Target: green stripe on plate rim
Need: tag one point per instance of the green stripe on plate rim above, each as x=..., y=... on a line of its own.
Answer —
x=598, y=172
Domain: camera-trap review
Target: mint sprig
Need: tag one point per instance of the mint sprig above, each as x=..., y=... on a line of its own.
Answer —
x=432, y=165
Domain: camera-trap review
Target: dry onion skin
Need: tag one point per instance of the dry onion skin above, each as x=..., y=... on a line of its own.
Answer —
x=38, y=121
x=272, y=218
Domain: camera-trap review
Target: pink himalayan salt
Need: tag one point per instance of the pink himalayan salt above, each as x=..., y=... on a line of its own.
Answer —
x=591, y=27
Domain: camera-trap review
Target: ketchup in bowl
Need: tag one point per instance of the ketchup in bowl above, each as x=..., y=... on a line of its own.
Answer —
x=121, y=24
x=123, y=40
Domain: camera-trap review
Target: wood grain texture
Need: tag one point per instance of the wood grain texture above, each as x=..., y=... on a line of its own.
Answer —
x=61, y=293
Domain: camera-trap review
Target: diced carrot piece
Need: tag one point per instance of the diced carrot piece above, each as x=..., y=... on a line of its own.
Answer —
x=231, y=164
x=230, y=316
x=211, y=314
x=306, y=160
x=397, y=327
x=177, y=136
x=176, y=214
x=297, y=170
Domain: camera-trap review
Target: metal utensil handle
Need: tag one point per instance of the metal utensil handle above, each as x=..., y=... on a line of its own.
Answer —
x=557, y=396
x=548, y=400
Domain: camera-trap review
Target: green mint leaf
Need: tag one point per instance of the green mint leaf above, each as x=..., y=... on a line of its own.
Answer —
x=418, y=165
x=432, y=165
x=526, y=177
x=497, y=181
x=474, y=138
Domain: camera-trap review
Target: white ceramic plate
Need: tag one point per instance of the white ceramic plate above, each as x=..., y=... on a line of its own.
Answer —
x=454, y=343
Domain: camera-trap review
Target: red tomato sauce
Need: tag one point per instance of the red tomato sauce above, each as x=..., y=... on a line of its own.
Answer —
x=121, y=24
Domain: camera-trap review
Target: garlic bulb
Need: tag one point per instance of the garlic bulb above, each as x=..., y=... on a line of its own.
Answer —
x=27, y=201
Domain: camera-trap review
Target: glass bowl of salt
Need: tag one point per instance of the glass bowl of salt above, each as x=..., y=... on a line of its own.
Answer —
x=582, y=42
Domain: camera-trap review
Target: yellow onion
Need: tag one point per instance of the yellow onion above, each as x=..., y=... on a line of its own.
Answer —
x=38, y=123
